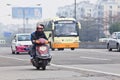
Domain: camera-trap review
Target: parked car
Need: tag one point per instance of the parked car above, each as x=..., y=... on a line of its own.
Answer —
x=20, y=43
x=114, y=42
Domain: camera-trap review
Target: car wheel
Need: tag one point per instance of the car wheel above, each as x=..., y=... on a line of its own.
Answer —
x=118, y=47
x=109, y=49
x=17, y=53
x=13, y=52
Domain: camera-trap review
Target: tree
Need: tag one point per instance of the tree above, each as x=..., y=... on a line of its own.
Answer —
x=91, y=30
x=114, y=27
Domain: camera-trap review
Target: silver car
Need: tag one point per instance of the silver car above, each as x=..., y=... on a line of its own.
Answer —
x=114, y=42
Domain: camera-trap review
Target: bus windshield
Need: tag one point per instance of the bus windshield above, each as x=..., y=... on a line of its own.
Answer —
x=66, y=29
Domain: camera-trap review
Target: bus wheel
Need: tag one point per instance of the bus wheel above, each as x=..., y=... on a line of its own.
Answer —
x=52, y=49
x=72, y=48
x=60, y=49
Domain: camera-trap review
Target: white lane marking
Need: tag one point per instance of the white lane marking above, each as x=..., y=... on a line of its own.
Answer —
x=83, y=69
x=89, y=70
x=93, y=58
x=15, y=58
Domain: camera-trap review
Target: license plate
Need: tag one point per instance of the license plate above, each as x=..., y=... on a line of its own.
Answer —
x=44, y=54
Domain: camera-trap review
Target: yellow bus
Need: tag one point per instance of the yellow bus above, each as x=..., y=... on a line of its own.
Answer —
x=62, y=33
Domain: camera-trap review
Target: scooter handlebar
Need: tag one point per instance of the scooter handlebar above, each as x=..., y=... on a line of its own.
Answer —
x=41, y=41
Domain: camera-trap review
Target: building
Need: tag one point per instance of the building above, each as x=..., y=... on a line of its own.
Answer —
x=107, y=10
x=66, y=11
x=83, y=9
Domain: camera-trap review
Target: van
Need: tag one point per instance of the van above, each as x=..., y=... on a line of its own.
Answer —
x=21, y=43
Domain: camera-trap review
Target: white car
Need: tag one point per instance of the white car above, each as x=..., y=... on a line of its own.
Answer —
x=103, y=39
x=114, y=42
x=20, y=43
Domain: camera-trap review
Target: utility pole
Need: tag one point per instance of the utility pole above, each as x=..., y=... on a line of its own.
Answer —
x=75, y=10
x=23, y=14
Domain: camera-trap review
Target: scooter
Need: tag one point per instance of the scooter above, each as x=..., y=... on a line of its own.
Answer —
x=43, y=57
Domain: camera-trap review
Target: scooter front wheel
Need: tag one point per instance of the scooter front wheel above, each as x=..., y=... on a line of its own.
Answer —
x=37, y=68
x=43, y=67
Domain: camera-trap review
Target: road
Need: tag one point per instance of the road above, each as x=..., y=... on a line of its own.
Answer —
x=80, y=64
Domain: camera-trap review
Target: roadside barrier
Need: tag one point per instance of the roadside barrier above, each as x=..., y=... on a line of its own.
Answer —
x=94, y=45
x=86, y=45
x=5, y=45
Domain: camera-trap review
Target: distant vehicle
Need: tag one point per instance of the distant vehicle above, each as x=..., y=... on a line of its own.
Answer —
x=20, y=43
x=62, y=32
x=103, y=39
x=2, y=42
x=114, y=42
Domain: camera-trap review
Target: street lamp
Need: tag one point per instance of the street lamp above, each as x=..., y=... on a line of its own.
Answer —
x=38, y=4
x=8, y=4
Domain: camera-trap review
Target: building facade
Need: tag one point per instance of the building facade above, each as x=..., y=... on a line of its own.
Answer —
x=83, y=9
x=108, y=11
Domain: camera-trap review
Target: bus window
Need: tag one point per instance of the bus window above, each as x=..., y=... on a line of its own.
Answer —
x=48, y=26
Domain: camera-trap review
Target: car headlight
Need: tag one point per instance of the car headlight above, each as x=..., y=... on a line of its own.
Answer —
x=18, y=44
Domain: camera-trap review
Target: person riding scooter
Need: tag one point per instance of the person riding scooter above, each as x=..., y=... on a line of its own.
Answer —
x=39, y=33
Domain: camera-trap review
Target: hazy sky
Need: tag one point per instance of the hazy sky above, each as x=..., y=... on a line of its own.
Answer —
x=49, y=7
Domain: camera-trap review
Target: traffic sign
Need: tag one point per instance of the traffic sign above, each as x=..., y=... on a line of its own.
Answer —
x=27, y=12
x=7, y=34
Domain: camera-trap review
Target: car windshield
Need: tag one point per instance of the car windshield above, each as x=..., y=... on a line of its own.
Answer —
x=118, y=35
x=24, y=38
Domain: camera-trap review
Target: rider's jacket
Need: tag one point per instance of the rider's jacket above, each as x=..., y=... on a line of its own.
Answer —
x=37, y=35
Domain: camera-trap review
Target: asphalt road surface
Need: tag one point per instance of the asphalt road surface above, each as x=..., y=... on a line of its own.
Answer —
x=79, y=64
